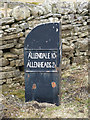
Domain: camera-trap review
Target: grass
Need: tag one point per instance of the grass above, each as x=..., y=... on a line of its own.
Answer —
x=35, y=3
x=53, y=108
x=19, y=92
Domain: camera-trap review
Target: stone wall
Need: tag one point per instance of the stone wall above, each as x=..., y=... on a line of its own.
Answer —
x=22, y=19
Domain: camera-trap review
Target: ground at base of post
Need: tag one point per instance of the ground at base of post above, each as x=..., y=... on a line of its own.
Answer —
x=74, y=98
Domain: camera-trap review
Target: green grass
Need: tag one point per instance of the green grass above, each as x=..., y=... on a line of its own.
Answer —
x=52, y=108
x=19, y=92
x=35, y=3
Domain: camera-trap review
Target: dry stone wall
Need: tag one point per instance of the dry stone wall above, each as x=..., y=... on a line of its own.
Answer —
x=22, y=19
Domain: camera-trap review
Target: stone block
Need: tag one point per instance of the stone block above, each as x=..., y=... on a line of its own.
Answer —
x=4, y=27
x=13, y=63
x=10, y=74
x=67, y=27
x=16, y=73
x=67, y=54
x=2, y=81
x=6, y=46
x=10, y=30
x=27, y=32
x=16, y=51
x=21, y=40
x=83, y=44
x=10, y=55
x=6, y=69
x=65, y=63
x=19, y=45
x=6, y=20
x=20, y=62
x=9, y=80
x=13, y=36
x=84, y=34
x=66, y=33
x=1, y=53
x=21, y=56
x=1, y=15
x=24, y=26
x=14, y=41
x=81, y=60
x=66, y=48
x=3, y=62
x=20, y=12
x=1, y=31
x=19, y=78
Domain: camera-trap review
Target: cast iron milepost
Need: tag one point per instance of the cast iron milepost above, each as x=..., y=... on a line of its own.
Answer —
x=42, y=59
